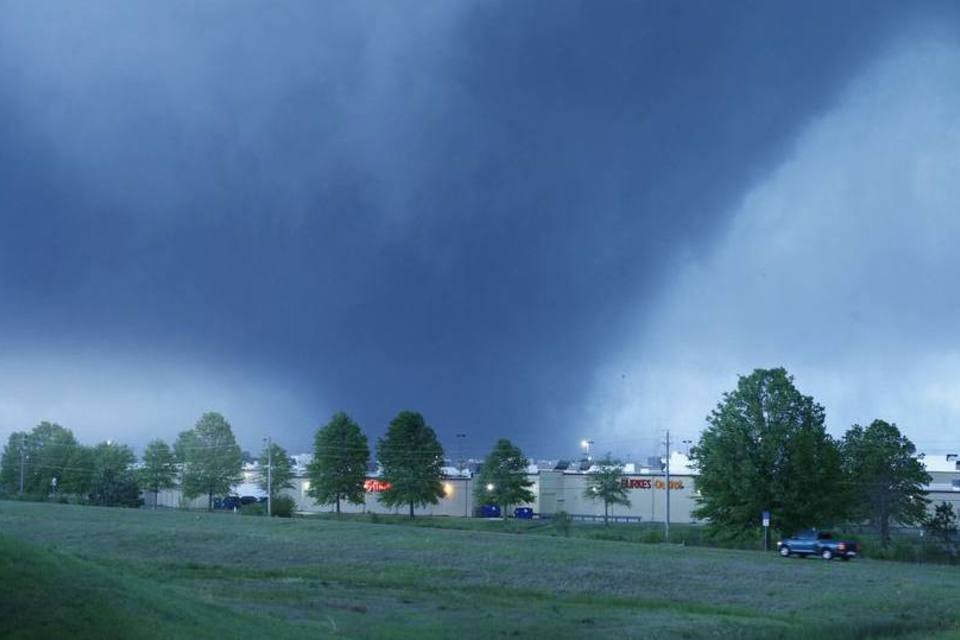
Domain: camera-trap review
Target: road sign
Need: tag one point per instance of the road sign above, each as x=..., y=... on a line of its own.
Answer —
x=766, y=518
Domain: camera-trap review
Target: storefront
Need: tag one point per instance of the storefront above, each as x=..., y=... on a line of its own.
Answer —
x=553, y=491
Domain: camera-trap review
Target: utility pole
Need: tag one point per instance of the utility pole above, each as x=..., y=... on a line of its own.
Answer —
x=269, y=477
x=666, y=520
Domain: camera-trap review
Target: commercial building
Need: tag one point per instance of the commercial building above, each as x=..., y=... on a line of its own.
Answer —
x=554, y=490
x=945, y=484
x=560, y=487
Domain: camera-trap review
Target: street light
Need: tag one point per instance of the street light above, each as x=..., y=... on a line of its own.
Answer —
x=586, y=448
x=462, y=438
x=490, y=486
x=269, y=442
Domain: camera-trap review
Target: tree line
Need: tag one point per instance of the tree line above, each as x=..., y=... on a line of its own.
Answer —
x=49, y=463
x=206, y=461
x=411, y=466
x=766, y=448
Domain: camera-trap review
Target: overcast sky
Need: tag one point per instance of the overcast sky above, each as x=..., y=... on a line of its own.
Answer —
x=542, y=220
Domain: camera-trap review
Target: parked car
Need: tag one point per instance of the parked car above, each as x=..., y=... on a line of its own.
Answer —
x=821, y=543
x=245, y=500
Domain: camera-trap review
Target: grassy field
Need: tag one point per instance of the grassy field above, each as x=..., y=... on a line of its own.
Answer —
x=76, y=572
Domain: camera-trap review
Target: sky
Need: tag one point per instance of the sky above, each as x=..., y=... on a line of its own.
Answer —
x=544, y=220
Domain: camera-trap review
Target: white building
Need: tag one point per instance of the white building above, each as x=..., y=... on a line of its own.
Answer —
x=554, y=490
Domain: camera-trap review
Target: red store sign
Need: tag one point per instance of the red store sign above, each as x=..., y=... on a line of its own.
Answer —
x=372, y=485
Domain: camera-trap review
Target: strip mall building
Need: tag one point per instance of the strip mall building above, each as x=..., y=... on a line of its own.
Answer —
x=554, y=490
x=557, y=490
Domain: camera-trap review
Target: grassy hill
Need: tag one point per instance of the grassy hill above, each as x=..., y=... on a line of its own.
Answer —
x=48, y=594
x=87, y=572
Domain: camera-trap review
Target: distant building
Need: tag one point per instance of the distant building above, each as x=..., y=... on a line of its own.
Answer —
x=558, y=485
x=944, y=469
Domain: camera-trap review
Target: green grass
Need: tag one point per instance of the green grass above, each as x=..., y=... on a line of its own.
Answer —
x=71, y=571
x=48, y=594
x=645, y=532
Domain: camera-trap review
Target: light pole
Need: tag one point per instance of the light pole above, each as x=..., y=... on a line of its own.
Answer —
x=585, y=445
x=269, y=476
x=461, y=439
x=666, y=520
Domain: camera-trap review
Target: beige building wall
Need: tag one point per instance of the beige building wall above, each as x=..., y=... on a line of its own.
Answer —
x=457, y=501
x=173, y=499
x=562, y=491
x=553, y=491
x=944, y=487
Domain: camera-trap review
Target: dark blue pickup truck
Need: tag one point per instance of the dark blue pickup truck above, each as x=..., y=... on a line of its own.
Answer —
x=820, y=543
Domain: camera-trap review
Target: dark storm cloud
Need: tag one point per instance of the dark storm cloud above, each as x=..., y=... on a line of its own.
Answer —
x=450, y=207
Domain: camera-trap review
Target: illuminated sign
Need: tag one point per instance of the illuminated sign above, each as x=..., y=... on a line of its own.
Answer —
x=372, y=485
x=648, y=483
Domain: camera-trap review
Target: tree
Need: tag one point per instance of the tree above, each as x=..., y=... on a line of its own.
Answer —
x=50, y=452
x=412, y=460
x=210, y=458
x=282, y=472
x=159, y=470
x=766, y=448
x=882, y=469
x=943, y=523
x=341, y=454
x=10, y=462
x=114, y=481
x=503, y=477
x=606, y=483
x=78, y=474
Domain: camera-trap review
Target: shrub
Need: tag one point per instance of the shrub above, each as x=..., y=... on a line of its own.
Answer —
x=652, y=536
x=252, y=509
x=562, y=522
x=283, y=506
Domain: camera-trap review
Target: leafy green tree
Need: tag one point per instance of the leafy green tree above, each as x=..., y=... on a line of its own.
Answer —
x=78, y=473
x=159, y=470
x=10, y=462
x=882, y=469
x=605, y=483
x=210, y=458
x=282, y=473
x=766, y=448
x=503, y=477
x=49, y=451
x=412, y=460
x=943, y=523
x=114, y=480
x=341, y=454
